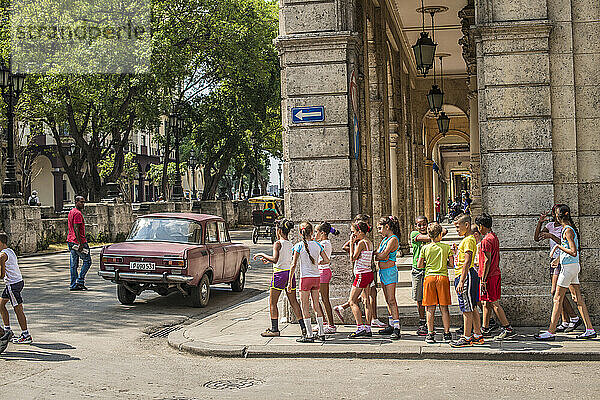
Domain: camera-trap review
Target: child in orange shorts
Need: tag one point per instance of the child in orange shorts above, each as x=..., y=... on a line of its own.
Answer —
x=435, y=257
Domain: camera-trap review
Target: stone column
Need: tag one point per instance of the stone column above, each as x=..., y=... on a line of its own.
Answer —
x=58, y=189
x=474, y=146
x=516, y=159
x=378, y=113
x=467, y=16
x=428, y=189
x=319, y=53
x=394, y=170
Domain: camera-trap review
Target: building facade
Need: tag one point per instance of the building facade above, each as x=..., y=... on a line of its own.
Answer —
x=52, y=184
x=523, y=96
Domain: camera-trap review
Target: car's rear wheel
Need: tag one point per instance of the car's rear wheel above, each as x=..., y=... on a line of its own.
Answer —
x=125, y=296
x=199, y=295
x=255, y=235
x=240, y=282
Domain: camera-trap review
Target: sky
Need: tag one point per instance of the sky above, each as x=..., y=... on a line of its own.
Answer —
x=274, y=176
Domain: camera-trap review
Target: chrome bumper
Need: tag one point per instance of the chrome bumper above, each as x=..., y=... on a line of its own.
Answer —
x=144, y=277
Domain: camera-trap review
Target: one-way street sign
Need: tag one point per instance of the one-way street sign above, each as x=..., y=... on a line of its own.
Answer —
x=308, y=114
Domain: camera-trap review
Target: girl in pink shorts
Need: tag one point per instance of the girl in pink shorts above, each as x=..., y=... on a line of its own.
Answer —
x=322, y=236
x=361, y=254
x=307, y=253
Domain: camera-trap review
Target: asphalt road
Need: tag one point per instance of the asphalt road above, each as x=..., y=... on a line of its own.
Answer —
x=87, y=345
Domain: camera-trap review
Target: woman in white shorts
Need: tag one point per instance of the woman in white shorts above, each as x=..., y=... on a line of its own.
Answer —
x=568, y=278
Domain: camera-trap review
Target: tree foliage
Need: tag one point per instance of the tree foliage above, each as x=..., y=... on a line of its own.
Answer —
x=213, y=61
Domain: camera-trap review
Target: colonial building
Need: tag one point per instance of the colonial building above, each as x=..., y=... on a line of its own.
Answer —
x=521, y=88
x=52, y=183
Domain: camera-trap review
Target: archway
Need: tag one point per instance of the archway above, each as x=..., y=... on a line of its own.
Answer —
x=42, y=179
x=447, y=159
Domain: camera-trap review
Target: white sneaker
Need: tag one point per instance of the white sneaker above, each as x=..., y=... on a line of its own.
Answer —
x=330, y=329
x=377, y=324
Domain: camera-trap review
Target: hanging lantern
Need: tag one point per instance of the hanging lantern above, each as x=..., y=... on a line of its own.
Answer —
x=424, y=51
x=435, y=98
x=443, y=123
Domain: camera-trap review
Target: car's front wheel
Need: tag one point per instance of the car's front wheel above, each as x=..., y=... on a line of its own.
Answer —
x=240, y=282
x=199, y=295
x=125, y=296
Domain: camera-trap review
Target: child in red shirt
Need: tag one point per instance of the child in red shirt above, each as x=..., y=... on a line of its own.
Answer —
x=489, y=273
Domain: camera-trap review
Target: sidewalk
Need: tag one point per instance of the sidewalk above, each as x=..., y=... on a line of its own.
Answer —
x=235, y=332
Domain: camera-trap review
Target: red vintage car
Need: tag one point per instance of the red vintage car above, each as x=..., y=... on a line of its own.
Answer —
x=175, y=252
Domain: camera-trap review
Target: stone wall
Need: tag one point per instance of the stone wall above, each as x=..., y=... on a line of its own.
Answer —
x=23, y=225
x=32, y=228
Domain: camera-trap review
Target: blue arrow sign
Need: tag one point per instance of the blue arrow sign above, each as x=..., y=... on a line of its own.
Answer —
x=308, y=114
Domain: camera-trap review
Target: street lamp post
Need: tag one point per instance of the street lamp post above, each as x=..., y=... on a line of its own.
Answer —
x=176, y=124
x=279, y=170
x=12, y=87
x=193, y=163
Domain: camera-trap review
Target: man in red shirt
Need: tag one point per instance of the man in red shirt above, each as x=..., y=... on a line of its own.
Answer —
x=78, y=245
x=489, y=273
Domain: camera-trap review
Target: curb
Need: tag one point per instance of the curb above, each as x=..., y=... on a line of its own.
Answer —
x=30, y=255
x=178, y=341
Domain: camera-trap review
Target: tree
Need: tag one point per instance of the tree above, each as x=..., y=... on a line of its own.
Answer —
x=128, y=174
x=238, y=122
x=154, y=175
x=99, y=112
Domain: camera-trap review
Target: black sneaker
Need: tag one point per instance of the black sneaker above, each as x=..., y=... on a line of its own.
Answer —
x=306, y=339
x=360, y=333
x=388, y=330
x=506, y=333
x=75, y=288
x=396, y=334
x=493, y=324
x=447, y=337
x=368, y=333
x=430, y=338
x=575, y=326
x=5, y=339
x=487, y=332
x=422, y=330
x=82, y=286
x=7, y=336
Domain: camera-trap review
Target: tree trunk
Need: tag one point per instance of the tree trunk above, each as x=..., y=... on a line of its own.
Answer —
x=250, y=184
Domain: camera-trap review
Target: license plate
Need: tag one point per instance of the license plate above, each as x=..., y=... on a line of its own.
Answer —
x=146, y=266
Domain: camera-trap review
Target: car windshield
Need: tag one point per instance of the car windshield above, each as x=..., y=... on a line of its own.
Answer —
x=166, y=230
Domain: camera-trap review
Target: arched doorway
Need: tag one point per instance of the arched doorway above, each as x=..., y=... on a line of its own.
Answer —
x=447, y=159
x=42, y=179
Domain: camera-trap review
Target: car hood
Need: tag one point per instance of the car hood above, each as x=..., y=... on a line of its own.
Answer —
x=149, y=248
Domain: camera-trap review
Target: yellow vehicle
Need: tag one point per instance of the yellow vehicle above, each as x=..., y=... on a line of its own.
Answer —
x=264, y=219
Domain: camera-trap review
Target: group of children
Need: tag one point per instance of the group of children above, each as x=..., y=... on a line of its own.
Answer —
x=477, y=282
x=477, y=279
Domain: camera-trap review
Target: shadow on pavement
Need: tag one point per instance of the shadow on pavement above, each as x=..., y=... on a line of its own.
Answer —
x=53, y=346
x=36, y=355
